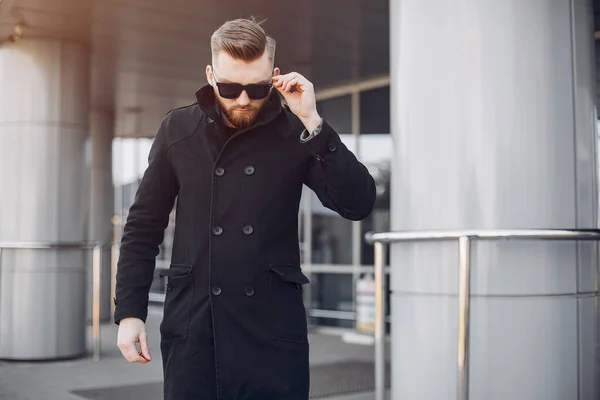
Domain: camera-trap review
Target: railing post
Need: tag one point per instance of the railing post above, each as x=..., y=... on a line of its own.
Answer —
x=114, y=257
x=379, y=322
x=1, y=265
x=464, y=267
x=464, y=294
x=96, y=273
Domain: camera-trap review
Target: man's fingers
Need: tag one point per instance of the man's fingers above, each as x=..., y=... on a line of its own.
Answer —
x=128, y=350
x=144, y=346
x=131, y=332
x=131, y=354
x=283, y=79
x=280, y=90
x=140, y=360
x=282, y=82
x=288, y=81
x=290, y=84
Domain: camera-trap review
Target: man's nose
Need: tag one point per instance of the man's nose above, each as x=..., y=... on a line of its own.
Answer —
x=243, y=99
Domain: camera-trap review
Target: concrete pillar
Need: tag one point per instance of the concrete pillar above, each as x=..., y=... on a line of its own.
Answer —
x=43, y=180
x=102, y=200
x=493, y=126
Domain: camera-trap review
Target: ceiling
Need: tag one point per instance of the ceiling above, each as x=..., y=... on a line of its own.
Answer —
x=149, y=56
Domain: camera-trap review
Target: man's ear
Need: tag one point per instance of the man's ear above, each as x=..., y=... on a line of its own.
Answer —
x=209, y=75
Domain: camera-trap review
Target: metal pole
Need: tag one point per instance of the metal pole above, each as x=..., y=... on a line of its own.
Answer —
x=464, y=267
x=307, y=227
x=96, y=270
x=356, y=225
x=0, y=267
x=379, y=322
x=114, y=257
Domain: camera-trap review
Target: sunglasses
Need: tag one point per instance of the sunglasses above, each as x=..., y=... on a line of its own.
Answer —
x=255, y=91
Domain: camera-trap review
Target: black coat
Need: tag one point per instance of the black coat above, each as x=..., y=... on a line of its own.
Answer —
x=234, y=324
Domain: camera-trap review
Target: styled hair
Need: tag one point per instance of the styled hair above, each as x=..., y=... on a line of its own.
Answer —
x=243, y=39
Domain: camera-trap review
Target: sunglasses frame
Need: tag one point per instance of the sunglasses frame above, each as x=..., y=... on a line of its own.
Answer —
x=239, y=88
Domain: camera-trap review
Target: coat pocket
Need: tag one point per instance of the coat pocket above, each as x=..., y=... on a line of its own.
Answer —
x=178, y=301
x=288, y=315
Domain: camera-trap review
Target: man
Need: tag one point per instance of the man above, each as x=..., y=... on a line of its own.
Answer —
x=234, y=323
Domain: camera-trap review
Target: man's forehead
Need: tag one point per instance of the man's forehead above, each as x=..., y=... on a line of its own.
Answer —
x=228, y=69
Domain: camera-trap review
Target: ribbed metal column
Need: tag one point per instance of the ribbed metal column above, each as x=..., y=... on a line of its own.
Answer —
x=44, y=178
x=493, y=126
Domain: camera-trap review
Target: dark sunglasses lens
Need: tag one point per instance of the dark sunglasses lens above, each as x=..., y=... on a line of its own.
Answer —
x=256, y=92
x=230, y=90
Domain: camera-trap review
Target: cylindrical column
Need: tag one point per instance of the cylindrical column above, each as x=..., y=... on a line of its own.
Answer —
x=493, y=125
x=43, y=176
x=102, y=199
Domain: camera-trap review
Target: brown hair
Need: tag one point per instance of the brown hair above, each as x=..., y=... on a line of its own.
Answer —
x=242, y=39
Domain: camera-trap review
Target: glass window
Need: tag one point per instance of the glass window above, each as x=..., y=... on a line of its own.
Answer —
x=337, y=112
x=376, y=153
x=330, y=235
x=331, y=292
x=130, y=160
x=331, y=238
x=375, y=111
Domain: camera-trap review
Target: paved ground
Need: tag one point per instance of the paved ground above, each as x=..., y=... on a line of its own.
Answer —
x=56, y=380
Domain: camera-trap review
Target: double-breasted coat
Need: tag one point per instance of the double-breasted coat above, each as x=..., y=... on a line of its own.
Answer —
x=234, y=324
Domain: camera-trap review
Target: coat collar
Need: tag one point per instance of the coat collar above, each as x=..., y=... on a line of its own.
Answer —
x=272, y=112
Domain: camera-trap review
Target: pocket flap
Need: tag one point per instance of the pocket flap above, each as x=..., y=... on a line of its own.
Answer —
x=290, y=273
x=177, y=271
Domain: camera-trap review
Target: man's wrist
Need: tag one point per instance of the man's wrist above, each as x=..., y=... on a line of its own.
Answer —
x=311, y=122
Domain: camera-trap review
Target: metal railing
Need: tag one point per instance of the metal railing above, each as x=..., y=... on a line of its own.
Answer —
x=96, y=271
x=380, y=240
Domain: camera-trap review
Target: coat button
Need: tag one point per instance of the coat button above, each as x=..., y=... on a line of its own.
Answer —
x=332, y=147
x=217, y=231
x=249, y=290
x=248, y=229
x=219, y=172
x=215, y=290
x=249, y=170
x=169, y=286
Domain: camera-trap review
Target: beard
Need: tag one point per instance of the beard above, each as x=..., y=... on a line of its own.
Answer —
x=241, y=117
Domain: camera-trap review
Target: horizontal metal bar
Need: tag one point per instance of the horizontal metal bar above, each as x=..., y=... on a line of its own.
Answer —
x=156, y=297
x=353, y=87
x=316, y=313
x=514, y=234
x=48, y=245
x=464, y=237
x=338, y=269
x=333, y=314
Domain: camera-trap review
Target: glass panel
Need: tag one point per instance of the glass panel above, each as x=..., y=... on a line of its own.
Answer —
x=331, y=292
x=376, y=154
x=331, y=238
x=130, y=160
x=331, y=241
x=337, y=112
x=375, y=111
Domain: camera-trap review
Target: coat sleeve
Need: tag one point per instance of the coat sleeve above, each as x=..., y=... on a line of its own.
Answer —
x=340, y=181
x=144, y=231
